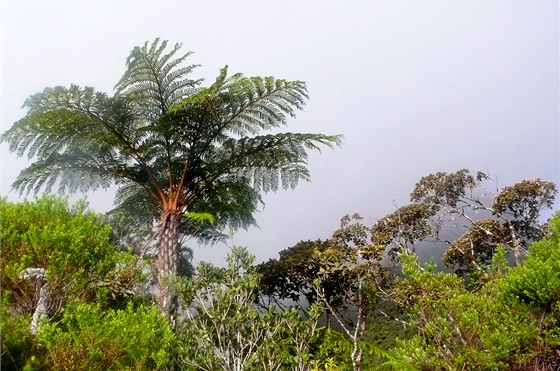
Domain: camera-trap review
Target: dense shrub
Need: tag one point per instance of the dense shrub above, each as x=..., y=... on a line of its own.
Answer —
x=68, y=249
x=69, y=243
x=224, y=329
x=511, y=321
x=87, y=338
x=537, y=281
x=18, y=348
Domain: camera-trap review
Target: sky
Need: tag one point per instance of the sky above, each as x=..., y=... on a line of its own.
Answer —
x=415, y=87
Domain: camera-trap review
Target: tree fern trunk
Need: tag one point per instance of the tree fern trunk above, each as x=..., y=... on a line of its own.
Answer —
x=166, y=264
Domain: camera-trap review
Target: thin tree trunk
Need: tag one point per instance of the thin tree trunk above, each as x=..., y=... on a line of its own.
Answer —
x=45, y=293
x=166, y=264
x=358, y=353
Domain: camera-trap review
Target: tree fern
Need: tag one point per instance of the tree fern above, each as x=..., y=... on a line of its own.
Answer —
x=171, y=146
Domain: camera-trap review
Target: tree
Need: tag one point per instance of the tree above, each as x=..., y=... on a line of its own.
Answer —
x=170, y=145
x=291, y=276
x=456, y=210
x=344, y=274
x=349, y=276
x=129, y=233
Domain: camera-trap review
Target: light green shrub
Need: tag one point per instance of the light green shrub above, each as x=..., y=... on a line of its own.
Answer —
x=87, y=338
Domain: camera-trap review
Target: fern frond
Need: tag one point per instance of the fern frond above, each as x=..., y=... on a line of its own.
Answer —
x=201, y=217
x=395, y=365
x=155, y=79
x=72, y=174
x=132, y=199
x=263, y=103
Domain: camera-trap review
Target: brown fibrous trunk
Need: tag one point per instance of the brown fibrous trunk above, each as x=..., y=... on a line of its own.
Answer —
x=166, y=264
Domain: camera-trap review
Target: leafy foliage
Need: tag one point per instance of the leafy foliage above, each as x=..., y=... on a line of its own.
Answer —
x=387, y=323
x=445, y=189
x=224, y=329
x=346, y=276
x=445, y=205
x=18, y=348
x=462, y=329
x=404, y=227
x=88, y=338
x=537, y=281
x=291, y=276
x=72, y=249
x=72, y=246
x=455, y=325
x=476, y=246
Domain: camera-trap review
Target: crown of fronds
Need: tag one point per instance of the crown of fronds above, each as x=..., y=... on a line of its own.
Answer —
x=165, y=137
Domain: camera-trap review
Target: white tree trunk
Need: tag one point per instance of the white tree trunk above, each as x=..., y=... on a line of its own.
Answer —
x=45, y=293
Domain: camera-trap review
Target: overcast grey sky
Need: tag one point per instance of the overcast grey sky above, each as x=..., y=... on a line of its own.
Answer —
x=416, y=87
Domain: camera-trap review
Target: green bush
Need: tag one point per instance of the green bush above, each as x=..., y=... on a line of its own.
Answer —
x=462, y=329
x=87, y=338
x=17, y=345
x=509, y=320
x=537, y=281
x=70, y=244
x=225, y=329
x=72, y=248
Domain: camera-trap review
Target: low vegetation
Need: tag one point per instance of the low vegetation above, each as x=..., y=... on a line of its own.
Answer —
x=352, y=309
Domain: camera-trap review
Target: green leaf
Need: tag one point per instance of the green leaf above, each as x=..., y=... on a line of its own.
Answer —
x=201, y=217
